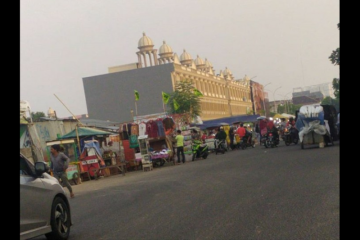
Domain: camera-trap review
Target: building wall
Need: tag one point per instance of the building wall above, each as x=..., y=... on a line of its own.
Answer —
x=123, y=67
x=221, y=97
x=111, y=96
x=50, y=130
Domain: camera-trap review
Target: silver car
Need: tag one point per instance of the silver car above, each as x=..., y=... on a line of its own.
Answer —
x=44, y=207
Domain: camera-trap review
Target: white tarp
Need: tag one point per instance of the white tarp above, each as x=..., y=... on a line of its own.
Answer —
x=312, y=126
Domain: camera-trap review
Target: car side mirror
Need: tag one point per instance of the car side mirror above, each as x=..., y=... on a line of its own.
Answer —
x=41, y=167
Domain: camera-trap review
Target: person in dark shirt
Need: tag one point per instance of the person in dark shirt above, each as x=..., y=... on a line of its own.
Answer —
x=221, y=134
x=58, y=165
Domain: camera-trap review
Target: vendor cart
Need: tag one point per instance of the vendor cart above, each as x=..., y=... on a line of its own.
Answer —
x=316, y=125
x=69, y=148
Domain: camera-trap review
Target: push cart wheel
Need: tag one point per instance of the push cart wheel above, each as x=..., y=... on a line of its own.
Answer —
x=75, y=178
x=162, y=162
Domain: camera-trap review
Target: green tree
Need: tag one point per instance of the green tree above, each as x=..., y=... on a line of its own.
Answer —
x=331, y=101
x=335, y=59
x=36, y=116
x=184, y=95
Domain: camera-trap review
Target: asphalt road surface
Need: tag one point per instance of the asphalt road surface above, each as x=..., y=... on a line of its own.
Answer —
x=258, y=194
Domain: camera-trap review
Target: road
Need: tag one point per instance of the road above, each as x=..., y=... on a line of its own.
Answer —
x=257, y=193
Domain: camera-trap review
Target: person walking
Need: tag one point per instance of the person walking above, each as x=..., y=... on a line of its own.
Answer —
x=180, y=146
x=58, y=165
x=257, y=131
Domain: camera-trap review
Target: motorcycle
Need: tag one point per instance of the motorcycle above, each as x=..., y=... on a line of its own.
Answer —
x=219, y=146
x=269, y=140
x=247, y=141
x=290, y=136
x=199, y=150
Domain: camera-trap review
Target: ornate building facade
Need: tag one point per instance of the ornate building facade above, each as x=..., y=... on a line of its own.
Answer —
x=223, y=95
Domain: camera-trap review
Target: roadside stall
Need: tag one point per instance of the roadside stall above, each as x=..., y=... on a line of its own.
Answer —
x=88, y=151
x=69, y=148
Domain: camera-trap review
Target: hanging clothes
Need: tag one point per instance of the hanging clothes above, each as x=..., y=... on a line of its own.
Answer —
x=161, y=130
x=129, y=128
x=142, y=129
x=125, y=134
x=134, y=141
x=151, y=129
x=135, y=129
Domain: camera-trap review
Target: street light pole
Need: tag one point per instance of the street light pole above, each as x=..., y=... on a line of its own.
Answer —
x=264, y=98
x=274, y=99
x=287, y=103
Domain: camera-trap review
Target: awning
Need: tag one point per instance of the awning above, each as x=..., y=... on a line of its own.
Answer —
x=85, y=131
x=228, y=120
x=278, y=115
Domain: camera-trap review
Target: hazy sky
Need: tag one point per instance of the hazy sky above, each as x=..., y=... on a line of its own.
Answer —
x=282, y=42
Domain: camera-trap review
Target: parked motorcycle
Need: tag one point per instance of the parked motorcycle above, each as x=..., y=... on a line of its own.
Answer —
x=290, y=136
x=269, y=140
x=199, y=150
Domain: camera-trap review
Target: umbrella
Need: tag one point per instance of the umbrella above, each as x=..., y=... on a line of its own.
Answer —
x=261, y=117
x=278, y=116
x=223, y=124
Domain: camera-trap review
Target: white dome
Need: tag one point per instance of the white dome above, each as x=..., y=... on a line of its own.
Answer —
x=165, y=49
x=51, y=111
x=24, y=105
x=145, y=41
x=199, y=61
x=226, y=72
x=185, y=56
x=207, y=63
x=246, y=78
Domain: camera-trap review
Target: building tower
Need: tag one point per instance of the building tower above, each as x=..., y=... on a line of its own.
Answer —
x=185, y=59
x=146, y=45
x=200, y=64
x=165, y=53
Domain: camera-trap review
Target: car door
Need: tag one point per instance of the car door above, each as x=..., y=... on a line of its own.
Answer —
x=36, y=197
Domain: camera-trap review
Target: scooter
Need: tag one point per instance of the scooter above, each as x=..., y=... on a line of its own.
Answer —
x=290, y=136
x=199, y=150
x=220, y=146
x=269, y=140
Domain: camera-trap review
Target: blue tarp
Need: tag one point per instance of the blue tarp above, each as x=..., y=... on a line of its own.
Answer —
x=93, y=144
x=229, y=120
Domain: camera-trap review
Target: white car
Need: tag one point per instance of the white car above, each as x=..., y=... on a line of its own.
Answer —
x=44, y=206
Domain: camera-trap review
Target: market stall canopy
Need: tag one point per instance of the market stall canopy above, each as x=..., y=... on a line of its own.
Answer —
x=278, y=115
x=286, y=115
x=85, y=131
x=260, y=118
x=228, y=121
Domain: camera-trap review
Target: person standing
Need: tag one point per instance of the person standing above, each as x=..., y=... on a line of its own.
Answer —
x=58, y=165
x=180, y=146
x=263, y=128
x=257, y=131
x=241, y=131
